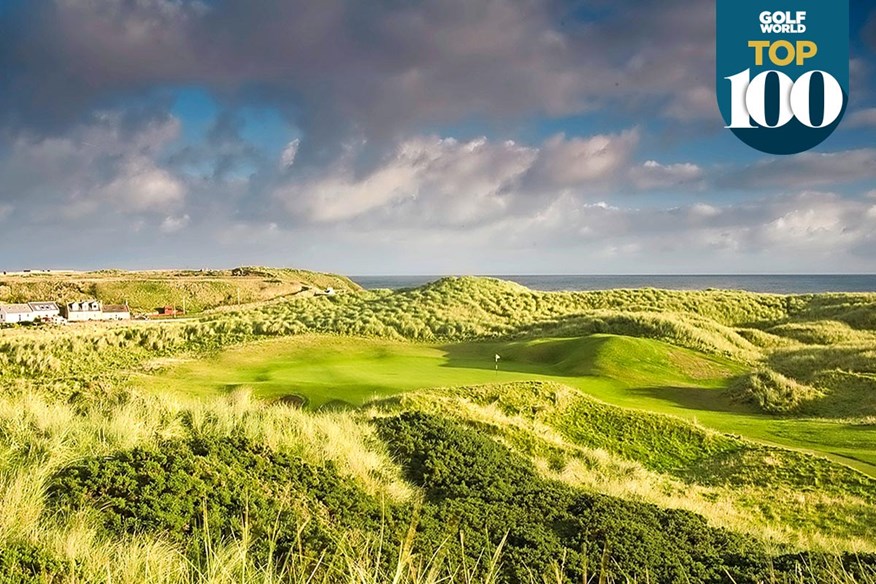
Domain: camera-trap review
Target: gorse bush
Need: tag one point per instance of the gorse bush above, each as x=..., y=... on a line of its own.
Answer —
x=480, y=487
x=220, y=485
x=25, y=563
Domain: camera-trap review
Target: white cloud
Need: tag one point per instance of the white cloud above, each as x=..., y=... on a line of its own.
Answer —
x=454, y=181
x=445, y=182
x=290, y=152
x=582, y=162
x=106, y=164
x=172, y=224
x=652, y=175
x=141, y=186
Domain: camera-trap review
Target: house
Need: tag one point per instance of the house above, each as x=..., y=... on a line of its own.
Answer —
x=44, y=311
x=169, y=311
x=116, y=312
x=15, y=313
x=83, y=311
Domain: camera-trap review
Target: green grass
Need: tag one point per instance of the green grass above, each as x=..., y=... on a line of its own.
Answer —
x=641, y=374
x=352, y=370
x=95, y=393
x=332, y=370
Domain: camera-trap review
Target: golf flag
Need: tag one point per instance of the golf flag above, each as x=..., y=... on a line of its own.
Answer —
x=497, y=358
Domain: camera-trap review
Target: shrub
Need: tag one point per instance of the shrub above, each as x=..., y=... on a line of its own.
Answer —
x=183, y=489
x=24, y=563
x=480, y=487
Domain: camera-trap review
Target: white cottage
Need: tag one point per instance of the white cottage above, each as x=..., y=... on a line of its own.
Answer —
x=83, y=311
x=44, y=311
x=15, y=313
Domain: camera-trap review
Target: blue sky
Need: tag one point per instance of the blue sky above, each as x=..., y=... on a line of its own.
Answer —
x=427, y=137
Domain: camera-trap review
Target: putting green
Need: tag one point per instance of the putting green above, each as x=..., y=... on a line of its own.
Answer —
x=630, y=372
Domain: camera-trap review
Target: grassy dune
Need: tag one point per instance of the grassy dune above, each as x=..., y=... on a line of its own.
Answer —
x=176, y=452
x=144, y=291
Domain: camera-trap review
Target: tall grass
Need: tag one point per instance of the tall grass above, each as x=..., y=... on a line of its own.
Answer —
x=39, y=435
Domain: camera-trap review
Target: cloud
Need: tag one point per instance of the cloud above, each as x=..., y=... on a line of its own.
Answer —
x=107, y=165
x=806, y=170
x=172, y=224
x=341, y=70
x=581, y=162
x=809, y=228
x=865, y=118
x=652, y=176
x=442, y=179
x=446, y=182
x=290, y=152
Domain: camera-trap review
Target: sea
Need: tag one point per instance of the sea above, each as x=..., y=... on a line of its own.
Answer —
x=776, y=284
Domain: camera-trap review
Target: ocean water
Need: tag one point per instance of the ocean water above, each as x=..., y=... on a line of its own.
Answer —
x=779, y=284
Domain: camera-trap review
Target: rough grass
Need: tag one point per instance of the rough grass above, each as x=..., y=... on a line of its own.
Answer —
x=145, y=291
x=773, y=392
x=566, y=436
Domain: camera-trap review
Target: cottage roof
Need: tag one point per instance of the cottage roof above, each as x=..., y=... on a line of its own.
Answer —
x=84, y=306
x=116, y=308
x=42, y=306
x=15, y=309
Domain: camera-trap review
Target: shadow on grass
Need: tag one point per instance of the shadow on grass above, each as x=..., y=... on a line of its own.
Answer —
x=695, y=398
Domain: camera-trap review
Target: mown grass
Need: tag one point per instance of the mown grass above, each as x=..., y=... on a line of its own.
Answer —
x=642, y=374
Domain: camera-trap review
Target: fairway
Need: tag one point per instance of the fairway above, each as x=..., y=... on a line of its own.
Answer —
x=634, y=373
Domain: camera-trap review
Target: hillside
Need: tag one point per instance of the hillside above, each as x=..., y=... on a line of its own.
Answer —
x=198, y=290
x=622, y=436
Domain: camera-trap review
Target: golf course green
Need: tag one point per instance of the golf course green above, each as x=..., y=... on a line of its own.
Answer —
x=325, y=371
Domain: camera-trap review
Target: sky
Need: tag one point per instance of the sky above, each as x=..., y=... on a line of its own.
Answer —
x=409, y=137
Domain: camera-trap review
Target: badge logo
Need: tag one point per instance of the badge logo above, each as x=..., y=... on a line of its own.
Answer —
x=783, y=71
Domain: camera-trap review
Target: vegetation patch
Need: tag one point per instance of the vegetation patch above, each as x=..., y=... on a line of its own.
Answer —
x=479, y=486
x=25, y=563
x=773, y=392
x=216, y=488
